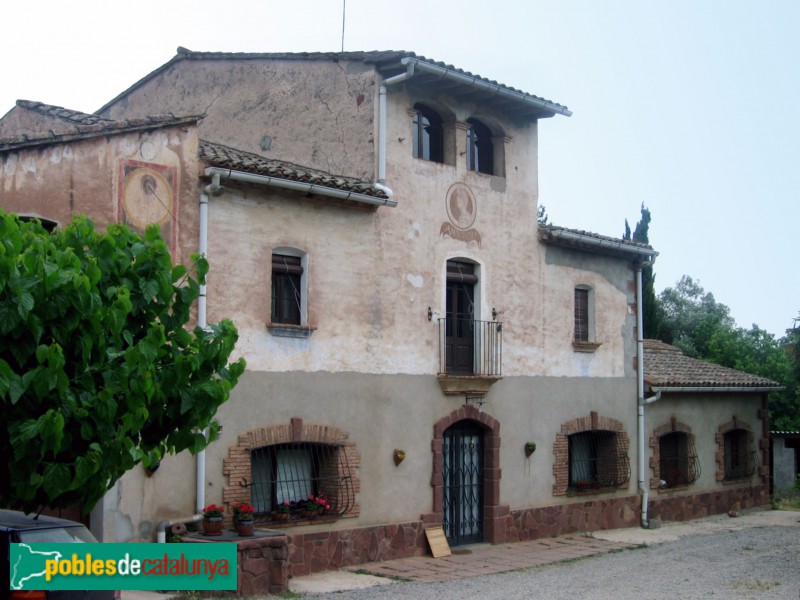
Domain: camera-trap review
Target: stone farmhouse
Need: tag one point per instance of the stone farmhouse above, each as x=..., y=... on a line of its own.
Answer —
x=428, y=355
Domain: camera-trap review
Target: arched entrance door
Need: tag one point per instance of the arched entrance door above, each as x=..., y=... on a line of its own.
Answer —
x=462, y=474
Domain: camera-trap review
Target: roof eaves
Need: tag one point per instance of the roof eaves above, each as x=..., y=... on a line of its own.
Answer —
x=593, y=242
x=84, y=132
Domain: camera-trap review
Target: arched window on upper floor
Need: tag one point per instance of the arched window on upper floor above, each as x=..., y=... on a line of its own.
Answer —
x=427, y=134
x=480, y=148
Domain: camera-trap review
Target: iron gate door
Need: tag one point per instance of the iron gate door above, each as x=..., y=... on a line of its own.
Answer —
x=463, y=483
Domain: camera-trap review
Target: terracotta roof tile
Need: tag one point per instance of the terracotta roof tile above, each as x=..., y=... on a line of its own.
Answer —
x=87, y=126
x=385, y=61
x=225, y=157
x=586, y=240
x=668, y=366
x=72, y=116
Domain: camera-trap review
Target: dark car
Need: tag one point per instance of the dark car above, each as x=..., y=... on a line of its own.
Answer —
x=17, y=527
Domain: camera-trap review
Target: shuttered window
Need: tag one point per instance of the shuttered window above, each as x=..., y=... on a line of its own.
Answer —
x=286, y=289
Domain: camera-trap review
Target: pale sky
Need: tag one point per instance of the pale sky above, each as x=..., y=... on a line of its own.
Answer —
x=690, y=106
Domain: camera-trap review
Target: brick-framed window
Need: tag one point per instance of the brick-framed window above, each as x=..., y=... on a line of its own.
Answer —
x=289, y=460
x=737, y=457
x=674, y=461
x=591, y=455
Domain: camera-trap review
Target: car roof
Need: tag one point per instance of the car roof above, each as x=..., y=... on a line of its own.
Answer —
x=12, y=520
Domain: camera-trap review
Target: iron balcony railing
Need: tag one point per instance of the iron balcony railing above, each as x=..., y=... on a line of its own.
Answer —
x=470, y=347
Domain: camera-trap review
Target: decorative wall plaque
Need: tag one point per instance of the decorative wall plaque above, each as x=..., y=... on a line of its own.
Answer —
x=462, y=210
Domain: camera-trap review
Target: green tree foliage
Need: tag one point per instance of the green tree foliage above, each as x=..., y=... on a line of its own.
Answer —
x=541, y=214
x=689, y=316
x=97, y=369
x=650, y=312
x=694, y=321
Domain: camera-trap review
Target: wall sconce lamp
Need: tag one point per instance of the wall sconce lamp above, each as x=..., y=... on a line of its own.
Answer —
x=430, y=313
x=530, y=448
x=399, y=456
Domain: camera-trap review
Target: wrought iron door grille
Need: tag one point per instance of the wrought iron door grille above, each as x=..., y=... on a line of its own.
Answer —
x=597, y=459
x=678, y=462
x=297, y=481
x=463, y=485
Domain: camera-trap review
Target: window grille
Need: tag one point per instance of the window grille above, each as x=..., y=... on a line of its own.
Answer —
x=581, y=315
x=678, y=461
x=741, y=458
x=597, y=459
x=287, y=477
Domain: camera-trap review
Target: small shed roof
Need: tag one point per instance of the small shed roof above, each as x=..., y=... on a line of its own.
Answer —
x=666, y=366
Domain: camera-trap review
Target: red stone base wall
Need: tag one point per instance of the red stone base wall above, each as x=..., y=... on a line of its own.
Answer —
x=592, y=515
x=266, y=565
x=322, y=551
x=685, y=508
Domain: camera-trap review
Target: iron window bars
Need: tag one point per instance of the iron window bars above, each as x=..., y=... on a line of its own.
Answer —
x=286, y=478
x=597, y=459
x=678, y=462
x=741, y=457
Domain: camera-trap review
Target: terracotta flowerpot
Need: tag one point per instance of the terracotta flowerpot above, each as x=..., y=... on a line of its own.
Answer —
x=244, y=527
x=212, y=526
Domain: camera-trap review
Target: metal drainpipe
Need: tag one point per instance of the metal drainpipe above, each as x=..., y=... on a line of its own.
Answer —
x=202, y=303
x=644, y=489
x=382, y=118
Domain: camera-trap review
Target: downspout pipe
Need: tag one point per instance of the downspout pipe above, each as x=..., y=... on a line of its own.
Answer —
x=298, y=186
x=382, y=118
x=644, y=489
x=200, y=458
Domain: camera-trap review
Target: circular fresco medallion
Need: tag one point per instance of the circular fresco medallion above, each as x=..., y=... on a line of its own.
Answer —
x=461, y=206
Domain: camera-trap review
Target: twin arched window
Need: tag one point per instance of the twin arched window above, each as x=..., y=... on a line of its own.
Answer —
x=428, y=140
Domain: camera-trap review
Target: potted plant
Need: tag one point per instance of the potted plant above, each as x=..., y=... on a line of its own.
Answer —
x=317, y=505
x=212, y=520
x=282, y=511
x=243, y=514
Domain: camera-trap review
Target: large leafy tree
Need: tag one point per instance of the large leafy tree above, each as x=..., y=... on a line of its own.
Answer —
x=650, y=312
x=98, y=369
x=693, y=320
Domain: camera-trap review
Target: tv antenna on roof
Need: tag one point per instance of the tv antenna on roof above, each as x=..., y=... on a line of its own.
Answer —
x=344, y=11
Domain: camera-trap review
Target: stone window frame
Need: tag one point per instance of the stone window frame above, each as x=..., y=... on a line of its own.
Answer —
x=301, y=329
x=673, y=426
x=584, y=342
x=236, y=467
x=592, y=422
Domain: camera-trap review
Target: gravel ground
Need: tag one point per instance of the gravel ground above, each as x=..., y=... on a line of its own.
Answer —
x=759, y=562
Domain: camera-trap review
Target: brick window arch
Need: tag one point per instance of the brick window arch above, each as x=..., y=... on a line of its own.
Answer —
x=591, y=455
x=674, y=461
x=238, y=466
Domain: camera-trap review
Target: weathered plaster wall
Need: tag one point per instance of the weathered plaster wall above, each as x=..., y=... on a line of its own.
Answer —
x=373, y=273
x=384, y=412
x=704, y=413
x=61, y=181
x=316, y=113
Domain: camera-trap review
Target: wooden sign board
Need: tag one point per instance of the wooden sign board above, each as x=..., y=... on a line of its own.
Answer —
x=437, y=541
